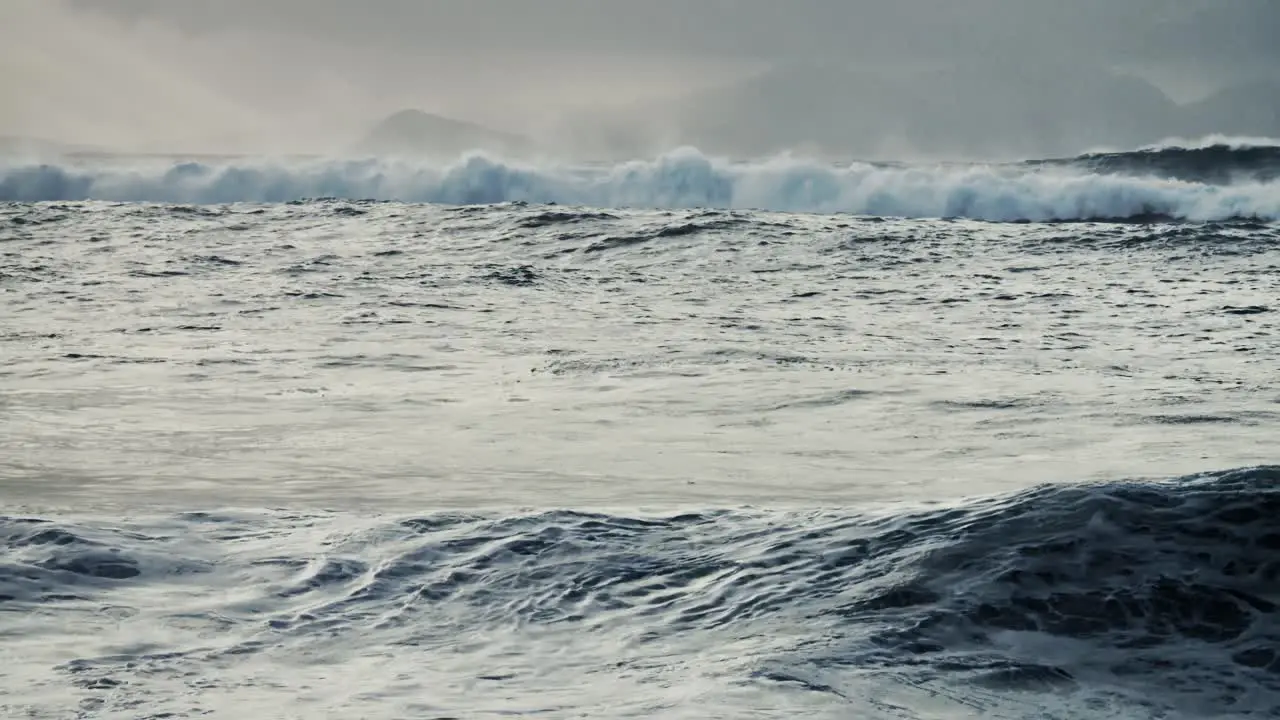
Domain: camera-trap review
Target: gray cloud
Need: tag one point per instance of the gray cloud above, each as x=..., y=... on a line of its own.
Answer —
x=864, y=29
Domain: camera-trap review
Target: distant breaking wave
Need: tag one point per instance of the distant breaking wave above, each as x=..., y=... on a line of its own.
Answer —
x=1223, y=162
x=1205, y=184
x=1233, y=142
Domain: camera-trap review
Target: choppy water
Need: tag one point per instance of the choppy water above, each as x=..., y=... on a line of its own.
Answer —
x=369, y=459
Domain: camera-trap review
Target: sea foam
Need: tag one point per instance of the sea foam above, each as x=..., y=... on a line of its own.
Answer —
x=682, y=178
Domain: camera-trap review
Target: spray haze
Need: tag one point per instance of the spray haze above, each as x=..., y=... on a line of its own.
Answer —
x=619, y=80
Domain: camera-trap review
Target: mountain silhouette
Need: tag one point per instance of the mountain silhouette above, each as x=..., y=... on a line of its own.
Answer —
x=417, y=133
x=976, y=110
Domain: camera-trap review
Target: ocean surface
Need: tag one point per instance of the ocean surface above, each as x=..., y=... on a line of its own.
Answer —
x=680, y=438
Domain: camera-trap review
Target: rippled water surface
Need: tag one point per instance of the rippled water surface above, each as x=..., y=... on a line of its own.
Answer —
x=490, y=355
x=352, y=459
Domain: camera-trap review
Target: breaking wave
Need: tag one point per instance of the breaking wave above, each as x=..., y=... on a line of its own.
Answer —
x=1223, y=162
x=1158, y=595
x=1089, y=188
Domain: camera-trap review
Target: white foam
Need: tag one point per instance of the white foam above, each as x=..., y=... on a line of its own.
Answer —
x=678, y=179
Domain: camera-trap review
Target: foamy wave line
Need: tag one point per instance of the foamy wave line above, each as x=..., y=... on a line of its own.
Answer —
x=1234, y=142
x=1201, y=142
x=679, y=179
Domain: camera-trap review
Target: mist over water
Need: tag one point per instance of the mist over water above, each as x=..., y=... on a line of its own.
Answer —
x=922, y=79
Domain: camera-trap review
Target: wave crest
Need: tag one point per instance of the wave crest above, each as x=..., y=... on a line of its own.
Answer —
x=683, y=178
x=1221, y=163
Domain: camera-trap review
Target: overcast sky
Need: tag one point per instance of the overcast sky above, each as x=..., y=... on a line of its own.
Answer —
x=294, y=72
x=1217, y=30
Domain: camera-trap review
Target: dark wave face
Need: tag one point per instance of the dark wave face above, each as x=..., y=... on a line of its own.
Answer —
x=1108, y=600
x=1218, y=164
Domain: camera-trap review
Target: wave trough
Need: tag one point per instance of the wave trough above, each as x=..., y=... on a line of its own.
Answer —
x=1084, y=190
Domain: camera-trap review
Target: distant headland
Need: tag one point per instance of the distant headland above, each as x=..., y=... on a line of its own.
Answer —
x=416, y=133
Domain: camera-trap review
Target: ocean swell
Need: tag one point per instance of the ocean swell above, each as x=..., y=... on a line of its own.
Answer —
x=1142, y=595
x=680, y=179
x=1222, y=163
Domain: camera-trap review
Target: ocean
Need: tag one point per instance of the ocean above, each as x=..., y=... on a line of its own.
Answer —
x=676, y=438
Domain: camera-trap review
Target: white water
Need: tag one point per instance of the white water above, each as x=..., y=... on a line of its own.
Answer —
x=680, y=179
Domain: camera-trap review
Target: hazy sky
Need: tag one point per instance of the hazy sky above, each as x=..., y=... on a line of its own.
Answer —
x=1225, y=30
x=296, y=74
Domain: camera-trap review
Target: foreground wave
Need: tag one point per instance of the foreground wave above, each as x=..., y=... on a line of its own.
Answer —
x=1129, y=187
x=1154, y=598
